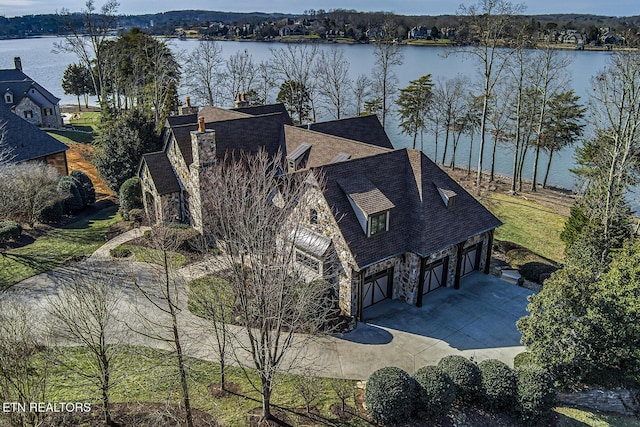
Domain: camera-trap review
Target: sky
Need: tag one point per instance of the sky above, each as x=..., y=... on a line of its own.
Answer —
x=11, y=8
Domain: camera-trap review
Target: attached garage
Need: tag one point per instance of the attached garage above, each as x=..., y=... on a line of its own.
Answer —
x=376, y=288
x=471, y=259
x=435, y=275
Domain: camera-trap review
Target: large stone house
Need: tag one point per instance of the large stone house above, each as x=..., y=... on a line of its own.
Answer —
x=386, y=223
x=28, y=143
x=28, y=99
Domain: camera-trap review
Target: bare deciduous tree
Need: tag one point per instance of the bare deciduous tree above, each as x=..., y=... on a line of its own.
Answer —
x=361, y=92
x=334, y=85
x=23, y=378
x=259, y=213
x=388, y=55
x=450, y=106
x=88, y=41
x=265, y=82
x=294, y=66
x=488, y=21
x=240, y=75
x=84, y=313
x=203, y=71
x=165, y=295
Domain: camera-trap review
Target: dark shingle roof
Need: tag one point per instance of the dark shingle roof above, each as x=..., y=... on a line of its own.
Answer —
x=325, y=148
x=245, y=134
x=258, y=110
x=363, y=128
x=215, y=114
x=184, y=119
x=161, y=172
x=20, y=84
x=419, y=221
x=365, y=194
x=27, y=141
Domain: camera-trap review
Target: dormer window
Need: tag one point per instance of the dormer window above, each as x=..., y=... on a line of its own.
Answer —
x=448, y=197
x=8, y=98
x=298, y=158
x=378, y=223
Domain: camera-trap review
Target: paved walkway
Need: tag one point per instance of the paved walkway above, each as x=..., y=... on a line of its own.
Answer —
x=103, y=252
x=477, y=320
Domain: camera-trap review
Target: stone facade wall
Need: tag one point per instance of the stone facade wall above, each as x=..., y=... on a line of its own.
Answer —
x=159, y=208
x=327, y=225
x=203, y=148
x=452, y=253
x=620, y=401
x=484, y=238
x=27, y=105
x=58, y=161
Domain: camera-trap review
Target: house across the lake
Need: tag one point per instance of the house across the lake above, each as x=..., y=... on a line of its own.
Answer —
x=28, y=143
x=29, y=100
x=386, y=223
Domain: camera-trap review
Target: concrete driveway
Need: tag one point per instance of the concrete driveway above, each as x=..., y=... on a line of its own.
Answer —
x=477, y=320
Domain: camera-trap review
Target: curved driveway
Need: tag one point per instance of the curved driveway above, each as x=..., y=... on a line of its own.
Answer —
x=478, y=320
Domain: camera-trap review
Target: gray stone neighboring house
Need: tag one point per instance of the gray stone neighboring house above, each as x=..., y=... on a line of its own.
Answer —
x=29, y=100
x=385, y=223
x=28, y=143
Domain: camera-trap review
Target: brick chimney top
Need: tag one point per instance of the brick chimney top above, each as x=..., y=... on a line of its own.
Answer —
x=201, y=124
x=188, y=101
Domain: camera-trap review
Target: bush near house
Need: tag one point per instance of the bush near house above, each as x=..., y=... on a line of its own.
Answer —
x=72, y=200
x=499, y=387
x=435, y=392
x=390, y=395
x=85, y=187
x=465, y=374
x=536, y=394
x=9, y=230
x=130, y=196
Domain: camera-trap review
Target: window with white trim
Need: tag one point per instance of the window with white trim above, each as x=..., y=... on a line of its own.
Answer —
x=8, y=98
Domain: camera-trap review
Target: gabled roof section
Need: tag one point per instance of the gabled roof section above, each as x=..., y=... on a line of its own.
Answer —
x=325, y=148
x=20, y=84
x=184, y=119
x=419, y=222
x=365, y=129
x=161, y=172
x=365, y=194
x=27, y=141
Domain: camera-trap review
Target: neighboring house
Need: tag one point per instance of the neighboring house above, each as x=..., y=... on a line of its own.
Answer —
x=27, y=99
x=28, y=143
x=384, y=224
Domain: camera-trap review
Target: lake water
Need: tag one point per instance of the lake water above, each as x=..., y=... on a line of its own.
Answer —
x=43, y=65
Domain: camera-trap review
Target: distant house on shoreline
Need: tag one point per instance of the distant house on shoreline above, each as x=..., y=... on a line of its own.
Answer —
x=28, y=99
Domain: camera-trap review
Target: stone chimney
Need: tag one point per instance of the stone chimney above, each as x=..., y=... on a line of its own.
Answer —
x=188, y=108
x=18, y=62
x=241, y=100
x=203, y=151
x=203, y=145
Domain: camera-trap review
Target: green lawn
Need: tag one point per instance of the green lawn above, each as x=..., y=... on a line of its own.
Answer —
x=528, y=224
x=570, y=417
x=155, y=379
x=67, y=136
x=155, y=256
x=77, y=239
x=88, y=120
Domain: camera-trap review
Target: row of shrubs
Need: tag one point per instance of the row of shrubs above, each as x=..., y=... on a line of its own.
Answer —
x=9, y=230
x=392, y=395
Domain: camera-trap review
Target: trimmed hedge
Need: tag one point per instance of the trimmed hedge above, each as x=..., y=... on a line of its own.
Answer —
x=435, y=391
x=85, y=186
x=389, y=395
x=536, y=271
x=523, y=359
x=10, y=230
x=536, y=394
x=465, y=374
x=120, y=252
x=51, y=213
x=499, y=385
x=72, y=200
x=130, y=196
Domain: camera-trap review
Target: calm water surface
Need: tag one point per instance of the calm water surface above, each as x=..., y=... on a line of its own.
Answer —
x=42, y=64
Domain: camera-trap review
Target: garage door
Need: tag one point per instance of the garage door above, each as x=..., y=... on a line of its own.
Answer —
x=435, y=275
x=471, y=259
x=377, y=288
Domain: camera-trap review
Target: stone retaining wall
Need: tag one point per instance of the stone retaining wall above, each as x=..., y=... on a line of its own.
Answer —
x=619, y=401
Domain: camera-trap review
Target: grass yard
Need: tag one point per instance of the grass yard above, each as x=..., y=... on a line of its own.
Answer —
x=570, y=417
x=52, y=250
x=155, y=379
x=86, y=120
x=528, y=224
x=155, y=256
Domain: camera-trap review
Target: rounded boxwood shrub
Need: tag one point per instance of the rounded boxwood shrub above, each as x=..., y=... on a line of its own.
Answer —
x=536, y=271
x=435, y=391
x=522, y=359
x=85, y=186
x=51, y=212
x=536, y=394
x=389, y=395
x=137, y=216
x=10, y=230
x=499, y=388
x=72, y=201
x=465, y=376
x=130, y=196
